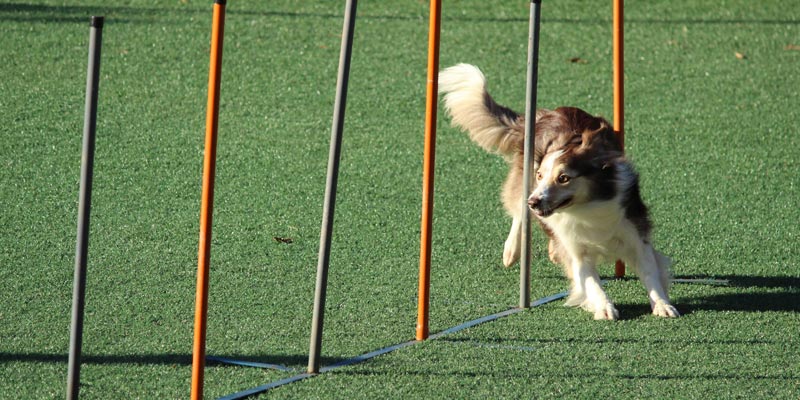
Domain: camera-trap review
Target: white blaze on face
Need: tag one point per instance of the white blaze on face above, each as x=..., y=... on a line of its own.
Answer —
x=546, y=174
x=556, y=186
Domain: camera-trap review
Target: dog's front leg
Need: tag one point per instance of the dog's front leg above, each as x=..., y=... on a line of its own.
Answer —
x=653, y=271
x=585, y=277
x=511, y=249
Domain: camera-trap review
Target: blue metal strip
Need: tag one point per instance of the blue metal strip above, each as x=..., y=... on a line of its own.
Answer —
x=373, y=354
x=470, y=324
x=549, y=299
x=248, y=363
x=365, y=357
x=264, y=388
x=703, y=281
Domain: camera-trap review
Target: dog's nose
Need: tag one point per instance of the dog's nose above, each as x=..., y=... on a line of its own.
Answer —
x=534, y=201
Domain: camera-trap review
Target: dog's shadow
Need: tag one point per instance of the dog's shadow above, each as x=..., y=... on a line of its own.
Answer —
x=751, y=294
x=741, y=293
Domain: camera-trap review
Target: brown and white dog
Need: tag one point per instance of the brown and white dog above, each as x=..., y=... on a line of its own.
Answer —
x=586, y=194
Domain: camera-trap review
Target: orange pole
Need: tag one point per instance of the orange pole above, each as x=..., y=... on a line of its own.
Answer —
x=429, y=156
x=207, y=200
x=619, y=90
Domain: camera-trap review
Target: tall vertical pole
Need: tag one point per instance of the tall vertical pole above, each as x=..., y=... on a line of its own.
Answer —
x=84, y=205
x=619, y=90
x=207, y=200
x=329, y=205
x=429, y=156
x=530, y=129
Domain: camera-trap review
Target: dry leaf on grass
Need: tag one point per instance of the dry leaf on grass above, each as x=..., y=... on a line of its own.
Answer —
x=740, y=55
x=578, y=60
x=792, y=47
x=282, y=239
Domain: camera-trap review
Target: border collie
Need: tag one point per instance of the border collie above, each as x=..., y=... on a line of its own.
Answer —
x=585, y=197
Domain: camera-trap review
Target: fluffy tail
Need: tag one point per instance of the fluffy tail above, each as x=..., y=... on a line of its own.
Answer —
x=494, y=127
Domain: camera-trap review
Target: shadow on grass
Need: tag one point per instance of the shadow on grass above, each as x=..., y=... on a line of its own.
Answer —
x=742, y=293
x=532, y=344
x=124, y=14
x=25, y=12
x=751, y=294
x=521, y=373
x=161, y=359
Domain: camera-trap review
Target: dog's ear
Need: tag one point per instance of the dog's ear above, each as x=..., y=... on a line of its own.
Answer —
x=603, y=139
x=577, y=127
x=556, y=130
x=597, y=134
x=579, y=120
x=601, y=148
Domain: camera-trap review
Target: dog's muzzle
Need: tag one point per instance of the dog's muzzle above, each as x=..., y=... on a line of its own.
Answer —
x=543, y=208
x=535, y=203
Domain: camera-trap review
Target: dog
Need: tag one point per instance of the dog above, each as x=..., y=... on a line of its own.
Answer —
x=585, y=192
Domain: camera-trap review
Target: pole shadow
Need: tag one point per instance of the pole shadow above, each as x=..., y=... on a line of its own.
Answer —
x=162, y=359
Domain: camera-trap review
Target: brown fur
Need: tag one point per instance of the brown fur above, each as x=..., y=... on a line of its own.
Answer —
x=585, y=194
x=565, y=128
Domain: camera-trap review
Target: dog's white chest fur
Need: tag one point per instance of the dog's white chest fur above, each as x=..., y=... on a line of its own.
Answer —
x=595, y=230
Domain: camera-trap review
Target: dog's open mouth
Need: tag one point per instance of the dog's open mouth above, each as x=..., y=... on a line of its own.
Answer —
x=546, y=212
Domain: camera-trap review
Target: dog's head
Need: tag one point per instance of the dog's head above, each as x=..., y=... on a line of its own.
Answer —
x=576, y=163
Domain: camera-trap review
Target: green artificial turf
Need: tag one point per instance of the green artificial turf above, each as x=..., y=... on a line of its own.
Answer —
x=712, y=104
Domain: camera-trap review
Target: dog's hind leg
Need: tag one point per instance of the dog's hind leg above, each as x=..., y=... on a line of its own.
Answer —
x=511, y=249
x=653, y=270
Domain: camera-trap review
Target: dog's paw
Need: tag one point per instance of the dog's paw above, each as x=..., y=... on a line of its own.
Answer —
x=510, y=254
x=607, y=312
x=666, y=310
x=576, y=298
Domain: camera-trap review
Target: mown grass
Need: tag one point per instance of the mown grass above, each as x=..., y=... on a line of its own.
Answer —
x=712, y=134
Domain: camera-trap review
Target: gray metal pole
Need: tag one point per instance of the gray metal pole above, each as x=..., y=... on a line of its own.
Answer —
x=84, y=204
x=530, y=129
x=330, y=187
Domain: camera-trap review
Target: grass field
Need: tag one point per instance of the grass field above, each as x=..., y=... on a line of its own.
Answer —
x=713, y=100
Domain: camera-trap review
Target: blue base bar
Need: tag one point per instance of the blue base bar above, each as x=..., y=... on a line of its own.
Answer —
x=364, y=357
x=549, y=299
x=367, y=356
x=470, y=324
x=264, y=388
x=703, y=281
x=248, y=363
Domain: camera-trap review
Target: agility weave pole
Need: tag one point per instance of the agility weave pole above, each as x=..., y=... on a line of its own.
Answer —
x=530, y=129
x=207, y=200
x=330, y=186
x=84, y=206
x=326, y=230
x=619, y=90
x=428, y=161
x=423, y=312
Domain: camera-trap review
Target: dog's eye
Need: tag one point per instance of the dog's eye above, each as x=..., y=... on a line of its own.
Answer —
x=538, y=176
x=563, y=178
